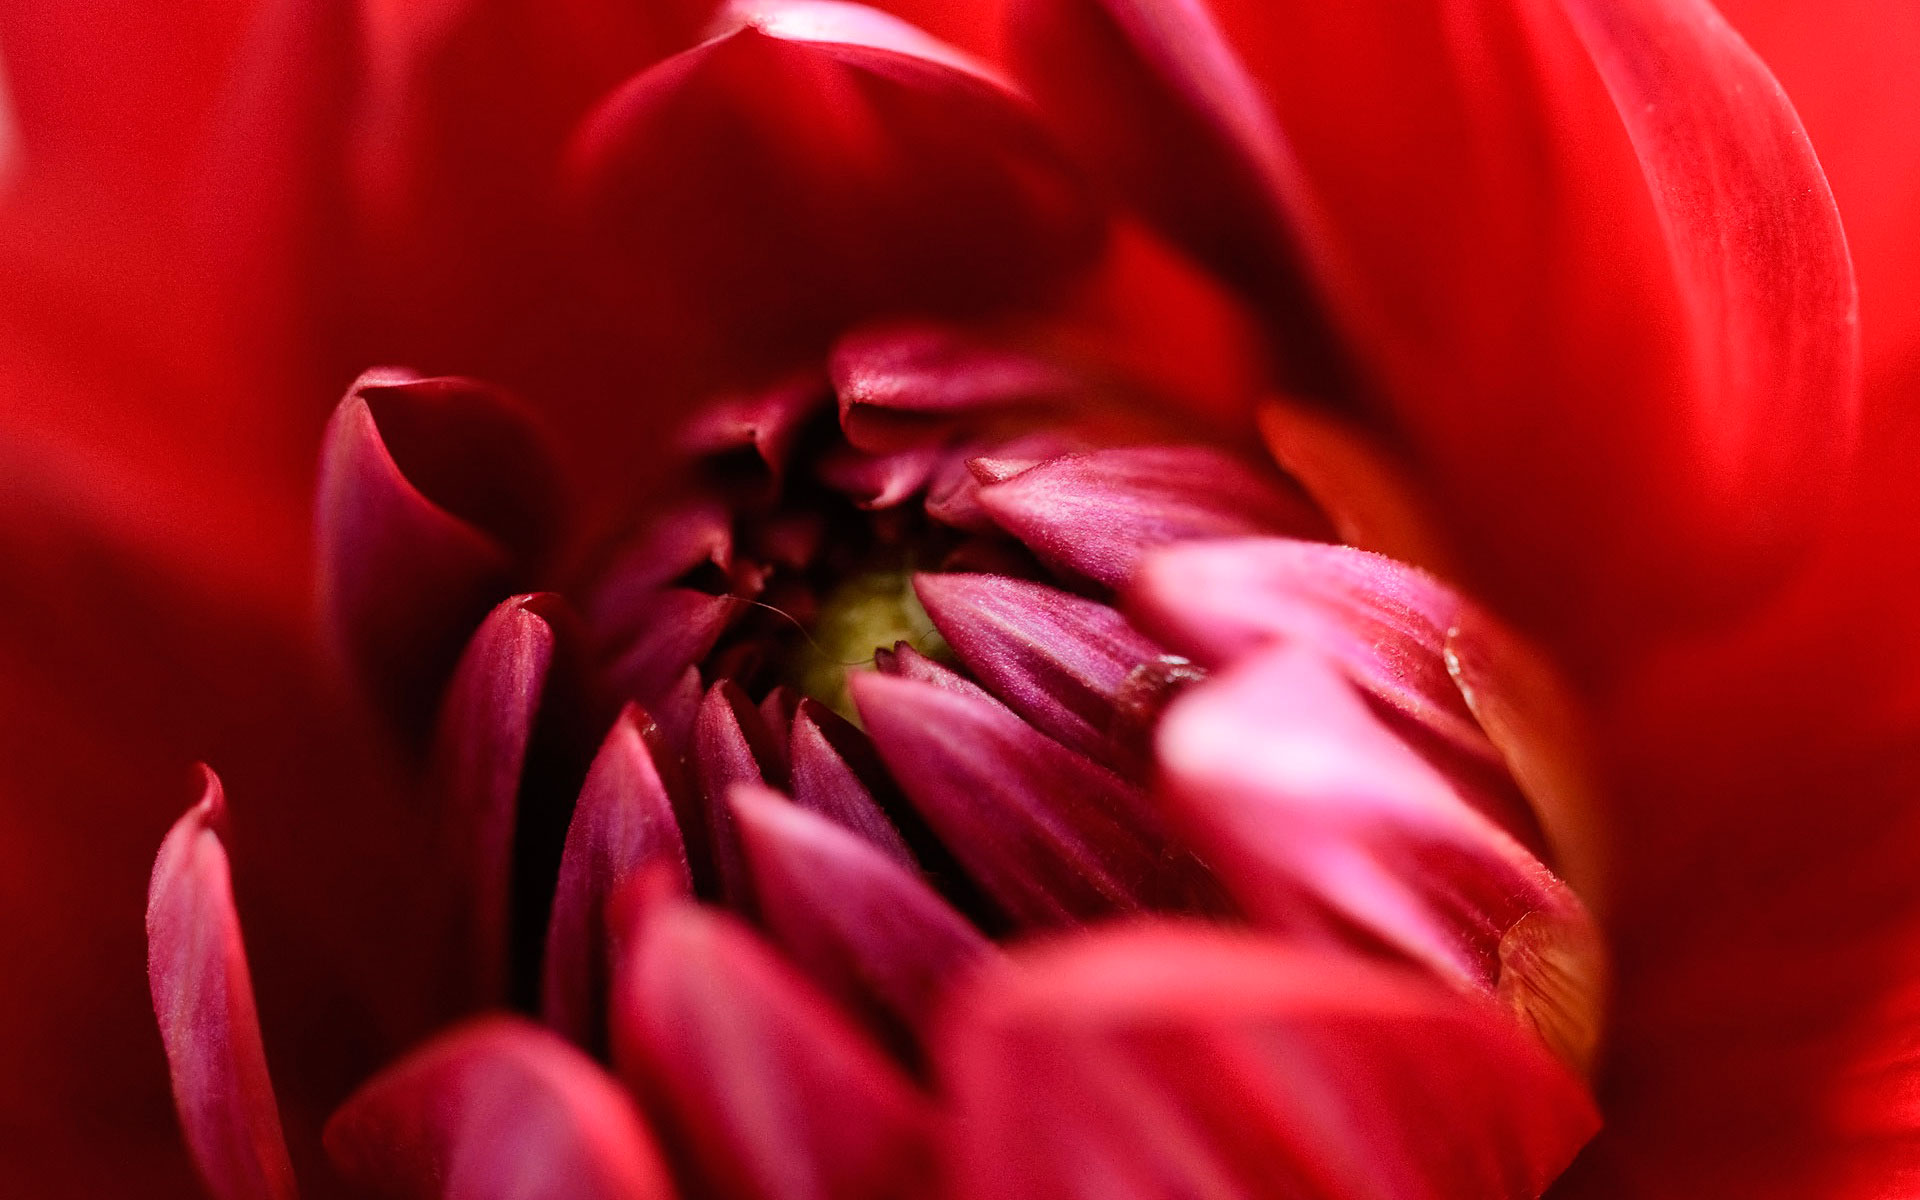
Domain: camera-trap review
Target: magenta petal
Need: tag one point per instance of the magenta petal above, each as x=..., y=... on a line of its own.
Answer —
x=1385, y=623
x=731, y=745
x=864, y=926
x=899, y=384
x=1145, y=1063
x=496, y=1109
x=675, y=629
x=203, y=998
x=767, y=1089
x=623, y=822
x=1061, y=661
x=883, y=481
x=765, y=422
x=835, y=771
x=1050, y=836
x=697, y=534
x=434, y=503
x=1294, y=791
x=1098, y=513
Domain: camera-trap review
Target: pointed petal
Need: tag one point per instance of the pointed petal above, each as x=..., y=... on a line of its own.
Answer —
x=859, y=180
x=866, y=928
x=203, y=997
x=435, y=501
x=1061, y=661
x=1055, y=839
x=1299, y=797
x=497, y=1109
x=1097, y=514
x=900, y=384
x=882, y=481
x=676, y=628
x=835, y=771
x=731, y=745
x=767, y=1089
x=1156, y=1062
x=695, y=535
x=765, y=422
x=623, y=822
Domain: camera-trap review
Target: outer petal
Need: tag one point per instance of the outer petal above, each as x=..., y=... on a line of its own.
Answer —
x=766, y=1089
x=623, y=822
x=857, y=181
x=496, y=1110
x=1162, y=1062
x=203, y=996
x=435, y=502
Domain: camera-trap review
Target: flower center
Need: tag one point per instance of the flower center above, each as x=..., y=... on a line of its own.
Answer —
x=867, y=613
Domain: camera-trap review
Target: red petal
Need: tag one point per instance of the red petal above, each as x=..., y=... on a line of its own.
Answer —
x=623, y=822
x=435, y=501
x=864, y=926
x=1161, y=1061
x=496, y=1110
x=767, y=1089
x=731, y=745
x=857, y=181
x=1051, y=837
x=901, y=384
x=1298, y=796
x=677, y=627
x=203, y=997
x=1098, y=513
x=835, y=772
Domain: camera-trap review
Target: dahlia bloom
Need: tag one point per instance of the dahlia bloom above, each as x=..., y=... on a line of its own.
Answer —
x=1148, y=599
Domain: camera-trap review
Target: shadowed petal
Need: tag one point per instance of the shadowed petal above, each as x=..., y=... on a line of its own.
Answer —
x=835, y=770
x=898, y=384
x=677, y=627
x=435, y=501
x=1053, y=838
x=1098, y=513
x=765, y=422
x=203, y=997
x=1059, y=660
x=1298, y=796
x=769, y=1093
x=731, y=745
x=623, y=821
x=864, y=926
x=497, y=1109
x=1170, y=1061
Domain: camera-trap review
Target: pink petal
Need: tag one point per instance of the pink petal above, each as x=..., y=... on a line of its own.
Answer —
x=865, y=927
x=623, y=822
x=496, y=1109
x=434, y=503
x=1054, y=839
x=765, y=421
x=899, y=384
x=680, y=541
x=731, y=745
x=1097, y=514
x=858, y=180
x=1299, y=797
x=203, y=997
x=768, y=1091
x=1058, y=660
x=677, y=627
x=835, y=772
x=1170, y=1061
x=883, y=481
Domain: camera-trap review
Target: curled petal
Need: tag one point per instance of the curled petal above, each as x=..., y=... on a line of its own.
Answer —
x=623, y=822
x=1299, y=797
x=497, y=1109
x=767, y=1090
x=857, y=180
x=203, y=997
x=1050, y=836
x=895, y=383
x=1061, y=661
x=435, y=500
x=863, y=925
x=676, y=628
x=1097, y=514
x=1165, y=1061
x=683, y=540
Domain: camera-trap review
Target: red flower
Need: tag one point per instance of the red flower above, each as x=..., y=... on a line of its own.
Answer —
x=1547, y=297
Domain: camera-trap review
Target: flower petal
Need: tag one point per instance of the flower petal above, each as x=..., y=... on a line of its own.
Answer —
x=435, y=502
x=1097, y=514
x=676, y=628
x=897, y=383
x=865, y=927
x=1051, y=837
x=1059, y=660
x=835, y=772
x=1156, y=1062
x=767, y=1090
x=857, y=181
x=1300, y=798
x=203, y=997
x=624, y=821
x=496, y=1109
x=731, y=745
